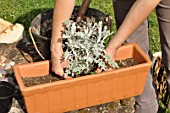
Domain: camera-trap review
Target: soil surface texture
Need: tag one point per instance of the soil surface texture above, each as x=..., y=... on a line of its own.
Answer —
x=31, y=81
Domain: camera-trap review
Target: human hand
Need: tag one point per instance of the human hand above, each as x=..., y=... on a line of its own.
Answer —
x=112, y=53
x=58, y=64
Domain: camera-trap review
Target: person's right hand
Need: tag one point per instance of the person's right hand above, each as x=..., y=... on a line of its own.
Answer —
x=58, y=64
x=57, y=68
x=111, y=52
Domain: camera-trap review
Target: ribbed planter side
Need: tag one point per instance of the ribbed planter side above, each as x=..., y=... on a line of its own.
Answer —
x=66, y=95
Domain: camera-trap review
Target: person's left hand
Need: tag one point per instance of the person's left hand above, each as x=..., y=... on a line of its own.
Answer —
x=112, y=53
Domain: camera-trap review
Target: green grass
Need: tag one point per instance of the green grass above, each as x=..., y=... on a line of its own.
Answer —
x=154, y=33
x=24, y=11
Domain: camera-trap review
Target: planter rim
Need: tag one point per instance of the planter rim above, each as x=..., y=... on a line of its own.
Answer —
x=10, y=87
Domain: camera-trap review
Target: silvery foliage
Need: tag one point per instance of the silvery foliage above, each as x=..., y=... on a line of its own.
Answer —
x=84, y=43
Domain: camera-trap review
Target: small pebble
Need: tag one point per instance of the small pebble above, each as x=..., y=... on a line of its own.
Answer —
x=2, y=59
x=2, y=71
x=3, y=79
x=7, y=66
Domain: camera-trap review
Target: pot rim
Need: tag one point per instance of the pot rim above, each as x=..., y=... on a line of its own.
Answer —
x=8, y=85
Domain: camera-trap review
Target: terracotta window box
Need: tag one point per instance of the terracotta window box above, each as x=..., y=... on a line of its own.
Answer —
x=81, y=92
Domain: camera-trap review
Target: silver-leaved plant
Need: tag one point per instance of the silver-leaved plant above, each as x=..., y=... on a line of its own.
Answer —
x=84, y=44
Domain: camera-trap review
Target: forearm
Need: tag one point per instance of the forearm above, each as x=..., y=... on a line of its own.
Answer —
x=62, y=12
x=137, y=14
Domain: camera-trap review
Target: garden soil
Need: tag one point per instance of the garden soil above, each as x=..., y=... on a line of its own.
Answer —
x=31, y=81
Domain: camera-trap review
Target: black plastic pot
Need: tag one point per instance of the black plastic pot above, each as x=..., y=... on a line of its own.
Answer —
x=7, y=91
x=41, y=27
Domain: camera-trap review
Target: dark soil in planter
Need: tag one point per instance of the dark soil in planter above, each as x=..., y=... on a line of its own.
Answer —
x=31, y=81
x=126, y=62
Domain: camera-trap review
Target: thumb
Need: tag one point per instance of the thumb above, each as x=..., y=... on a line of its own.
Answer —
x=65, y=63
x=98, y=70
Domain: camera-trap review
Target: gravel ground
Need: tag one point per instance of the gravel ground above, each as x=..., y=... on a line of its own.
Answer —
x=16, y=108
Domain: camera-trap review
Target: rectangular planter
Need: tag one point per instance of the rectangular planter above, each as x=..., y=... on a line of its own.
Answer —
x=81, y=92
